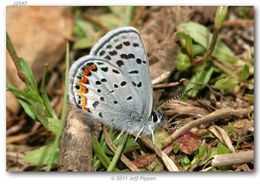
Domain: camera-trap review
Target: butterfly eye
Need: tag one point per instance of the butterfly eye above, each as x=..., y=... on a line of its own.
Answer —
x=154, y=117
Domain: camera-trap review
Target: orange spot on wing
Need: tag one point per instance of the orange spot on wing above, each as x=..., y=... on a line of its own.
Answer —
x=86, y=72
x=83, y=101
x=93, y=67
x=84, y=80
x=83, y=89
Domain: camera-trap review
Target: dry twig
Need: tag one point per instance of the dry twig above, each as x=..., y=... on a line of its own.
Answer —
x=233, y=158
x=219, y=114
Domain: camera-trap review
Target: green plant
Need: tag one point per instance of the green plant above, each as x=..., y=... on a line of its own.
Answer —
x=37, y=105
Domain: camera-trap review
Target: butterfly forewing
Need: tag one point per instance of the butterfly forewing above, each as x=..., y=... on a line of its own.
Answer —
x=123, y=47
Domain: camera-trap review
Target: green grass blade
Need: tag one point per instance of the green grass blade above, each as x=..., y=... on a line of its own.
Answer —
x=100, y=153
x=119, y=150
x=45, y=97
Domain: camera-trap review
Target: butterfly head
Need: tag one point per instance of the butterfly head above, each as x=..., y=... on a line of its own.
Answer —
x=154, y=120
x=156, y=117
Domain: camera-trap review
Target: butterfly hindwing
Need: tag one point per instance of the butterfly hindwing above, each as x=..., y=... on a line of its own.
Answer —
x=102, y=90
x=123, y=48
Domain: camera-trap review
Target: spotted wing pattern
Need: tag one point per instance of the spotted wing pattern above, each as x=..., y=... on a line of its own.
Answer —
x=102, y=90
x=123, y=48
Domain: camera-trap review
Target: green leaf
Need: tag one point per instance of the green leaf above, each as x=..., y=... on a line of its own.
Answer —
x=226, y=83
x=128, y=15
x=220, y=17
x=28, y=109
x=203, y=36
x=244, y=72
x=45, y=97
x=99, y=152
x=186, y=41
x=200, y=152
x=176, y=147
x=202, y=75
x=221, y=148
x=117, y=10
x=160, y=136
x=88, y=38
x=197, y=50
x=183, y=62
x=83, y=43
x=29, y=77
x=230, y=129
x=54, y=125
x=185, y=161
x=78, y=31
x=110, y=20
x=210, y=156
x=40, y=156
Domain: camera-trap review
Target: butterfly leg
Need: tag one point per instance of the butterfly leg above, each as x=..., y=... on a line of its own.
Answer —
x=139, y=134
x=121, y=133
x=152, y=133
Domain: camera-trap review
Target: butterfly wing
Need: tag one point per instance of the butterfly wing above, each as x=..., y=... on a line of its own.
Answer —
x=103, y=92
x=123, y=48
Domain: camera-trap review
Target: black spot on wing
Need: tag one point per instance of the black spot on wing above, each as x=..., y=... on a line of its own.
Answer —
x=115, y=71
x=77, y=86
x=129, y=98
x=115, y=102
x=100, y=63
x=109, y=46
x=119, y=46
x=90, y=64
x=126, y=43
x=83, y=68
x=131, y=56
x=101, y=53
x=98, y=90
x=123, y=83
x=139, y=84
x=115, y=85
x=112, y=53
x=98, y=83
x=100, y=115
x=133, y=72
x=119, y=63
x=135, y=44
x=138, y=61
x=124, y=56
x=108, y=57
x=103, y=80
x=95, y=104
x=105, y=69
x=102, y=99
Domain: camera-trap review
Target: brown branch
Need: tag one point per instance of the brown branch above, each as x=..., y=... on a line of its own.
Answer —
x=233, y=158
x=219, y=114
x=75, y=146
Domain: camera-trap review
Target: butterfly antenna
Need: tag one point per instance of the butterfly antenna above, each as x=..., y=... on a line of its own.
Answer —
x=175, y=97
x=181, y=94
x=139, y=134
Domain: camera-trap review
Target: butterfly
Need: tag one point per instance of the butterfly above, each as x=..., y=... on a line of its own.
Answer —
x=112, y=84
